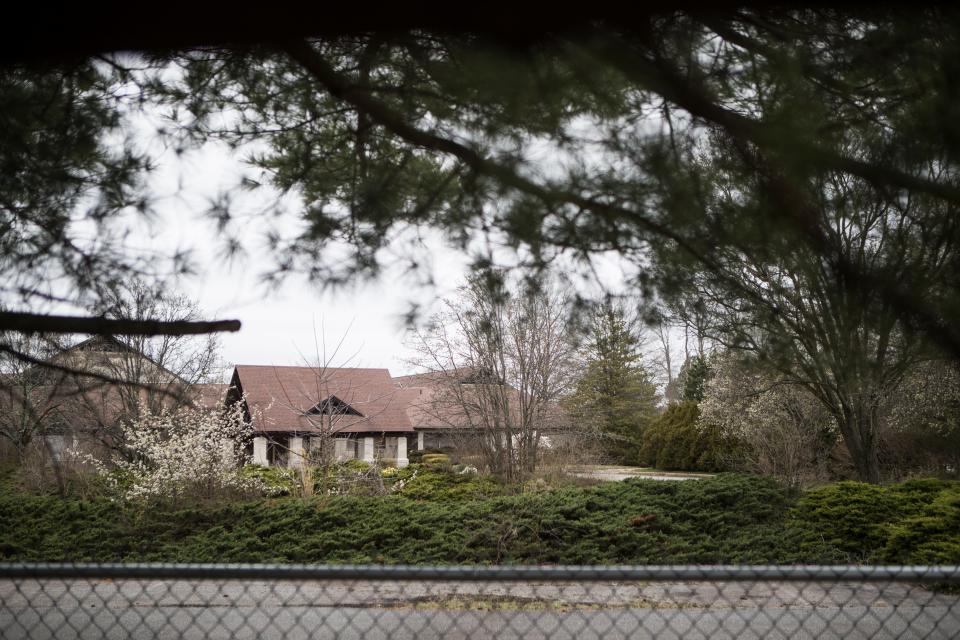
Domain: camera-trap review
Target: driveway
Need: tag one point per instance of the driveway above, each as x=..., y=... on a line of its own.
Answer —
x=615, y=473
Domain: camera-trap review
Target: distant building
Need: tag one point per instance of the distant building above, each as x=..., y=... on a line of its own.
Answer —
x=296, y=412
x=83, y=392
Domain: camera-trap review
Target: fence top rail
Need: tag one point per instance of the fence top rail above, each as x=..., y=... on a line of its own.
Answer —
x=648, y=573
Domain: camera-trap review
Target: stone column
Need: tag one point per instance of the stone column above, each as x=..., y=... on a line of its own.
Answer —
x=419, y=440
x=368, y=449
x=295, y=455
x=260, y=451
x=340, y=449
x=402, y=459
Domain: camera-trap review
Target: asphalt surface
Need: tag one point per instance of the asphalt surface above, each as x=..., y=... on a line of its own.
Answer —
x=616, y=474
x=423, y=610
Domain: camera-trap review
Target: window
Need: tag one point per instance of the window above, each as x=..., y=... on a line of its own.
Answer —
x=333, y=406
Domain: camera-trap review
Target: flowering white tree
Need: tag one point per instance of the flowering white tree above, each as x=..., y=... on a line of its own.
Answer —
x=927, y=405
x=184, y=452
x=782, y=429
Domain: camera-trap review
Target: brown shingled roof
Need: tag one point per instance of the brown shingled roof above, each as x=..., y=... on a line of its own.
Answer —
x=279, y=398
x=432, y=405
x=209, y=395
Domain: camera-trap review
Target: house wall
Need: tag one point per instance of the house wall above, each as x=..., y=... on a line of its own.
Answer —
x=441, y=441
x=344, y=448
x=276, y=453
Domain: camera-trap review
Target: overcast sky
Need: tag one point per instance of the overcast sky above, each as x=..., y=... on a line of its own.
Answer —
x=282, y=326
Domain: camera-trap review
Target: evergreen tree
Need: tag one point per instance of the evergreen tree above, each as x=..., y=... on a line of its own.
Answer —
x=615, y=393
x=693, y=377
x=677, y=441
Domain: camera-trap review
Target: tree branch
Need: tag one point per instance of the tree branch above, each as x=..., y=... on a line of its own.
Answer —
x=41, y=323
x=661, y=78
x=381, y=113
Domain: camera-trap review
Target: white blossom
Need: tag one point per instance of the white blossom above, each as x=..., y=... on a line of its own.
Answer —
x=783, y=430
x=184, y=452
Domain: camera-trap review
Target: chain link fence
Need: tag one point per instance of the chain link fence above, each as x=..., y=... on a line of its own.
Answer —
x=381, y=602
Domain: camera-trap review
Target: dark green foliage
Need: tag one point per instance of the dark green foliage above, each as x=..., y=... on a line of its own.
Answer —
x=446, y=486
x=676, y=442
x=916, y=522
x=695, y=373
x=417, y=456
x=615, y=391
x=726, y=519
x=57, y=165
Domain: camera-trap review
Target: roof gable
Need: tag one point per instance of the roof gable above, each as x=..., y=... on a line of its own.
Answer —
x=108, y=355
x=333, y=406
x=296, y=399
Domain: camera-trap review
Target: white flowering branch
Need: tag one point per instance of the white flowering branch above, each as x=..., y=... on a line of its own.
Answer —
x=184, y=452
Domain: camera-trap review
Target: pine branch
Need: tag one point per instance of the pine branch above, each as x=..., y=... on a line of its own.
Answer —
x=41, y=323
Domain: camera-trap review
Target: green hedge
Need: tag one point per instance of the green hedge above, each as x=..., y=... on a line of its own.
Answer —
x=915, y=522
x=446, y=518
x=727, y=519
x=426, y=483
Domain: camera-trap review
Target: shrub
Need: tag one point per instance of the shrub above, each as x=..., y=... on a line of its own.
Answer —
x=436, y=460
x=417, y=455
x=450, y=518
x=184, y=453
x=914, y=522
x=447, y=486
x=675, y=441
x=277, y=481
x=355, y=477
x=464, y=468
x=781, y=428
x=721, y=520
x=928, y=537
x=354, y=465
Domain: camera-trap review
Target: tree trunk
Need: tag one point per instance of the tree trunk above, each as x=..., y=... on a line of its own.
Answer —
x=55, y=463
x=858, y=428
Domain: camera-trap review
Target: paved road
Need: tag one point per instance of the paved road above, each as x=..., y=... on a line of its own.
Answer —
x=615, y=474
x=423, y=610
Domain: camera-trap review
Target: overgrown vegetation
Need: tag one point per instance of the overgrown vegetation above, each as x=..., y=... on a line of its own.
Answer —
x=615, y=392
x=433, y=516
x=915, y=522
x=675, y=441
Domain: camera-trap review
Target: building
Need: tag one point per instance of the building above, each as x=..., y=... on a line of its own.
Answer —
x=300, y=413
x=342, y=413
x=296, y=413
x=80, y=394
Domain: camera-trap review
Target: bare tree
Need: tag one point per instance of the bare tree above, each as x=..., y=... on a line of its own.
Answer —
x=665, y=362
x=329, y=413
x=172, y=363
x=104, y=380
x=499, y=365
x=330, y=399
x=28, y=401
